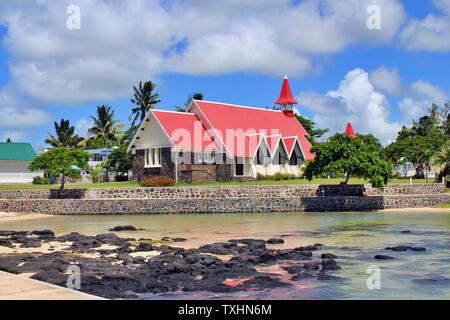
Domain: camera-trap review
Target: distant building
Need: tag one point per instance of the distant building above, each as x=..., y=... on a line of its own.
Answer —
x=14, y=161
x=214, y=141
x=405, y=170
x=97, y=156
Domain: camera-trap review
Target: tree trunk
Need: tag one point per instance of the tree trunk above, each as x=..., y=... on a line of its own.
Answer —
x=106, y=161
x=419, y=170
x=63, y=178
x=347, y=177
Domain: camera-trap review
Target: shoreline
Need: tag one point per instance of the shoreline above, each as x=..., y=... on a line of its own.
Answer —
x=17, y=216
x=415, y=210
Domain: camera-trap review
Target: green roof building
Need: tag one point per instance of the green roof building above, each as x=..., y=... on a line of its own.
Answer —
x=14, y=161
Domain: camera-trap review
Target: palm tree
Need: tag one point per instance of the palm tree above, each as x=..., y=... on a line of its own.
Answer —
x=194, y=96
x=105, y=127
x=65, y=136
x=442, y=158
x=144, y=99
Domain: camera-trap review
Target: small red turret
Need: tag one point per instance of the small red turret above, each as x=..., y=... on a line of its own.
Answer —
x=349, y=130
x=286, y=99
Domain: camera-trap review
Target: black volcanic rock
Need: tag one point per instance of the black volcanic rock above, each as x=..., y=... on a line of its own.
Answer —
x=383, y=257
x=275, y=241
x=328, y=256
x=123, y=228
x=329, y=265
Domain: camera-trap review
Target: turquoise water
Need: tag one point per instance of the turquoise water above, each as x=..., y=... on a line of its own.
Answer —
x=354, y=237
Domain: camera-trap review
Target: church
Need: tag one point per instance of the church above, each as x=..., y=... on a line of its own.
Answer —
x=215, y=141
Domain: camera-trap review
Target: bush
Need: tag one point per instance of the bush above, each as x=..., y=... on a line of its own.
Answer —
x=260, y=176
x=277, y=176
x=120, y=178
x=96, y=174
x=40, y=180
x=157, y=181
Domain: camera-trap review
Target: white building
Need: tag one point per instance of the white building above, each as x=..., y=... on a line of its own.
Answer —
x=14, y=161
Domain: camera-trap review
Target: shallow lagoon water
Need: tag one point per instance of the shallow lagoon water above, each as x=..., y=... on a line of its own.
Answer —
x=355, y=237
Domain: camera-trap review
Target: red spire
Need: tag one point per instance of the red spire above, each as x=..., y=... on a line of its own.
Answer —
x=286, y=97
x=349, y=130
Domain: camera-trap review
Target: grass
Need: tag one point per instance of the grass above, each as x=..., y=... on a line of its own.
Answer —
x=124, y=184
x=128, y=184
x=298, y=181
x=443, y=205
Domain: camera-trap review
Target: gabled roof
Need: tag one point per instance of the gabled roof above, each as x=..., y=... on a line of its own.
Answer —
x=228, y=117
x=235, y=130
x=349, y=130
x=286, y=96
x=185, y=130
x=16, y=152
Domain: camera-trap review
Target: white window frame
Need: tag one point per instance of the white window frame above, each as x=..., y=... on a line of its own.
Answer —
x=209, y=157
x=152, y=157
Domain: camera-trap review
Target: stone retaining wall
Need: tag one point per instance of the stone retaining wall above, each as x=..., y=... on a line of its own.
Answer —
x=221, y=205
x=213, y=192
x=222, y=199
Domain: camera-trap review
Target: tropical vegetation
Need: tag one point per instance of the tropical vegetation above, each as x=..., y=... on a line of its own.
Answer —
x=422, y=141
x=61, y=162
x=144, y=99
x=64, y=136
x=351, y=157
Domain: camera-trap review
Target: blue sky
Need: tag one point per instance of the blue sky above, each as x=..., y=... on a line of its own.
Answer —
x=338, y=69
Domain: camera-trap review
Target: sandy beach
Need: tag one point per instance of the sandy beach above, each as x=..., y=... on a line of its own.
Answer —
x=415, y=210
x=15, y=216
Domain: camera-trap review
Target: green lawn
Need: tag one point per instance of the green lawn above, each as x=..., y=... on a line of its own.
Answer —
x=184, y=184
x=124, y=184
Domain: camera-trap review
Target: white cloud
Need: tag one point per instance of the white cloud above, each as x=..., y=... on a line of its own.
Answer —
x=82, y=127
x=387, y=80
x=355, y=100
x=15, y=114
x=415, y=97
x=431, y=33
x=122, y=42
x=14, y=135
x=421, y=95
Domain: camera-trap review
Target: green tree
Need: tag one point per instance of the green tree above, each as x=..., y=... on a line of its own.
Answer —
x=419, y=143
x=145, y=99
x=120, y=161
x=309, y=125
x=97, y=143
x=354, y=157
x=65, y=136
x=442, y=158
x=416, y=149
x=105, y=127
x=61, y=162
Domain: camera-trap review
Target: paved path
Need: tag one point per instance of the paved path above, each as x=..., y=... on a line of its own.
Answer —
x=19, y=287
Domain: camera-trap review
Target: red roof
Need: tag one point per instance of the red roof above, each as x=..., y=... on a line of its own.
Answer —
x=232, y=122
x=349, y=130
x=236, y=130
x=185, y=130
x=286, y=96
x=272, y=142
